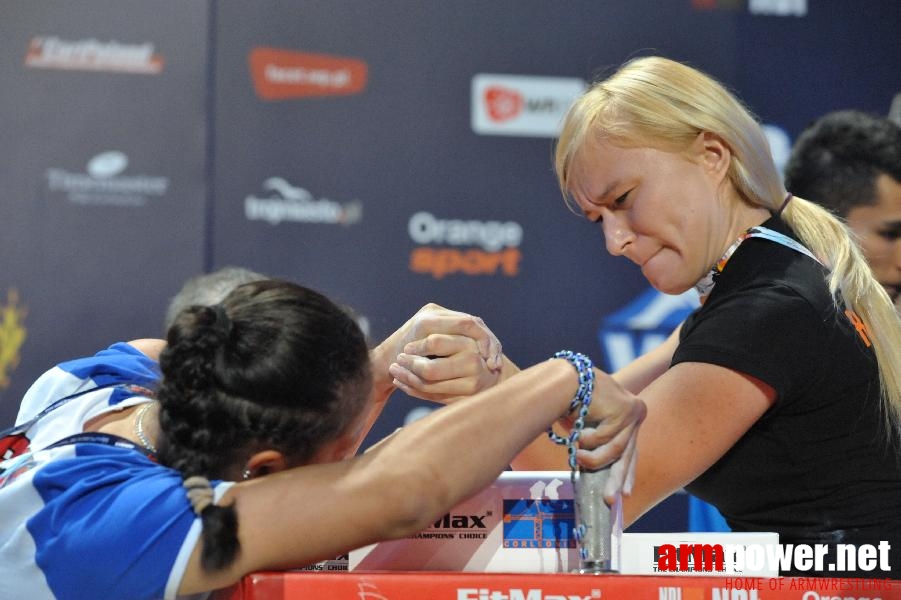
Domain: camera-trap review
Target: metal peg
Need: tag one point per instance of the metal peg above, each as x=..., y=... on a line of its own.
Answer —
x=598, y=526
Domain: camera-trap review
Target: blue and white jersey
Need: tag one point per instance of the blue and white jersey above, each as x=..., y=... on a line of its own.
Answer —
x=91, y=520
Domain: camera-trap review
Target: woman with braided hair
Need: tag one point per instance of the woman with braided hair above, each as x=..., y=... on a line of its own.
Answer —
x=229, y=455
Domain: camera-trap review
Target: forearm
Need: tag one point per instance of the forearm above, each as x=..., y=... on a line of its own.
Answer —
x=464, y=447
x=641, y=372
x=398, y=487
x=380, y=358
x=541, y=455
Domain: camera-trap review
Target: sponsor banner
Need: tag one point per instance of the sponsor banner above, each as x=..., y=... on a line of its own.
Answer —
x=778, y=8
x=464, y=247
x=52, y=52
x=521, y=523
x=521, y=105
x=103, y=213
x=288, y=74
x=281, y=201
x=519, y=586
x=773, y=8
x=104, y=182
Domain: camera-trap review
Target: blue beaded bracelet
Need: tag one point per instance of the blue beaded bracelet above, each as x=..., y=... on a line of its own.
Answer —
x=580, y=402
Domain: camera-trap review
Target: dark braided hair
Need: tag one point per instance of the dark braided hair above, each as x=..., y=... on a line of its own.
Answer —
x=274, y=366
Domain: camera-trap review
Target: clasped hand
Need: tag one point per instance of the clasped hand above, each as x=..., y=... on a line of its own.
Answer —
x=444, y=354
x=441, y=354
x=614, y=416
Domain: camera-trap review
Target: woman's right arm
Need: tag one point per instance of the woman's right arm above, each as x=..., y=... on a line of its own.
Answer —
x=311, y=513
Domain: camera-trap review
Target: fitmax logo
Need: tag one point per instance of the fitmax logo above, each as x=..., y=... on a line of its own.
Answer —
x=452, y=521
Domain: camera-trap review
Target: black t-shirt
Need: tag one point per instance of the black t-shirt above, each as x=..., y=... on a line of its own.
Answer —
x=820, y=465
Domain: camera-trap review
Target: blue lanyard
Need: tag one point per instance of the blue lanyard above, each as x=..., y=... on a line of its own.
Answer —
x=781, y=238
x=108, y=439
x=705, y=286
x=14, y=443
x=88, y=437
x=22, y=428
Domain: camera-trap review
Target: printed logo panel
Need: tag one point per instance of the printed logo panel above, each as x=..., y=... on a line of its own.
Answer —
x=539, y=524
x=521, y=105
x=104, y=183
x=286, y=74
x=282, y=201
x=464, y=247
x=51, y=52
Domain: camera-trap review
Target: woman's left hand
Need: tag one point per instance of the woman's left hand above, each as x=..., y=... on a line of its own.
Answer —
x=614, y=416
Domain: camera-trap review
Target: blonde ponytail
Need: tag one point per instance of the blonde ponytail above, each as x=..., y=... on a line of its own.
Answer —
x=852, y=280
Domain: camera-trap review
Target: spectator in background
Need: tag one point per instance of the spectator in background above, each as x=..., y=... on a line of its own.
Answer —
x=208, y=289
x=850, y=163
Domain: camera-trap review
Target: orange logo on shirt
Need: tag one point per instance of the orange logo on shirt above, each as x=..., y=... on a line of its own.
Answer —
x=286, y=74
x=860, y=326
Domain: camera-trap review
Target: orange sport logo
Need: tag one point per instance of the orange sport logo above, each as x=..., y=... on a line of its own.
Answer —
x=287, y=74
x=458, y=247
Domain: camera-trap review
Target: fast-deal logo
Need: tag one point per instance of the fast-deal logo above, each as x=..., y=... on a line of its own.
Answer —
x=446, y=246
x=285, y=202
x=12, y=335
x=51, y=52
x=103, y=182
x=286, y=74
x=521, y=105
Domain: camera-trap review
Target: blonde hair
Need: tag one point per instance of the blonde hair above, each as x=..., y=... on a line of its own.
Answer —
x=660, y=103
